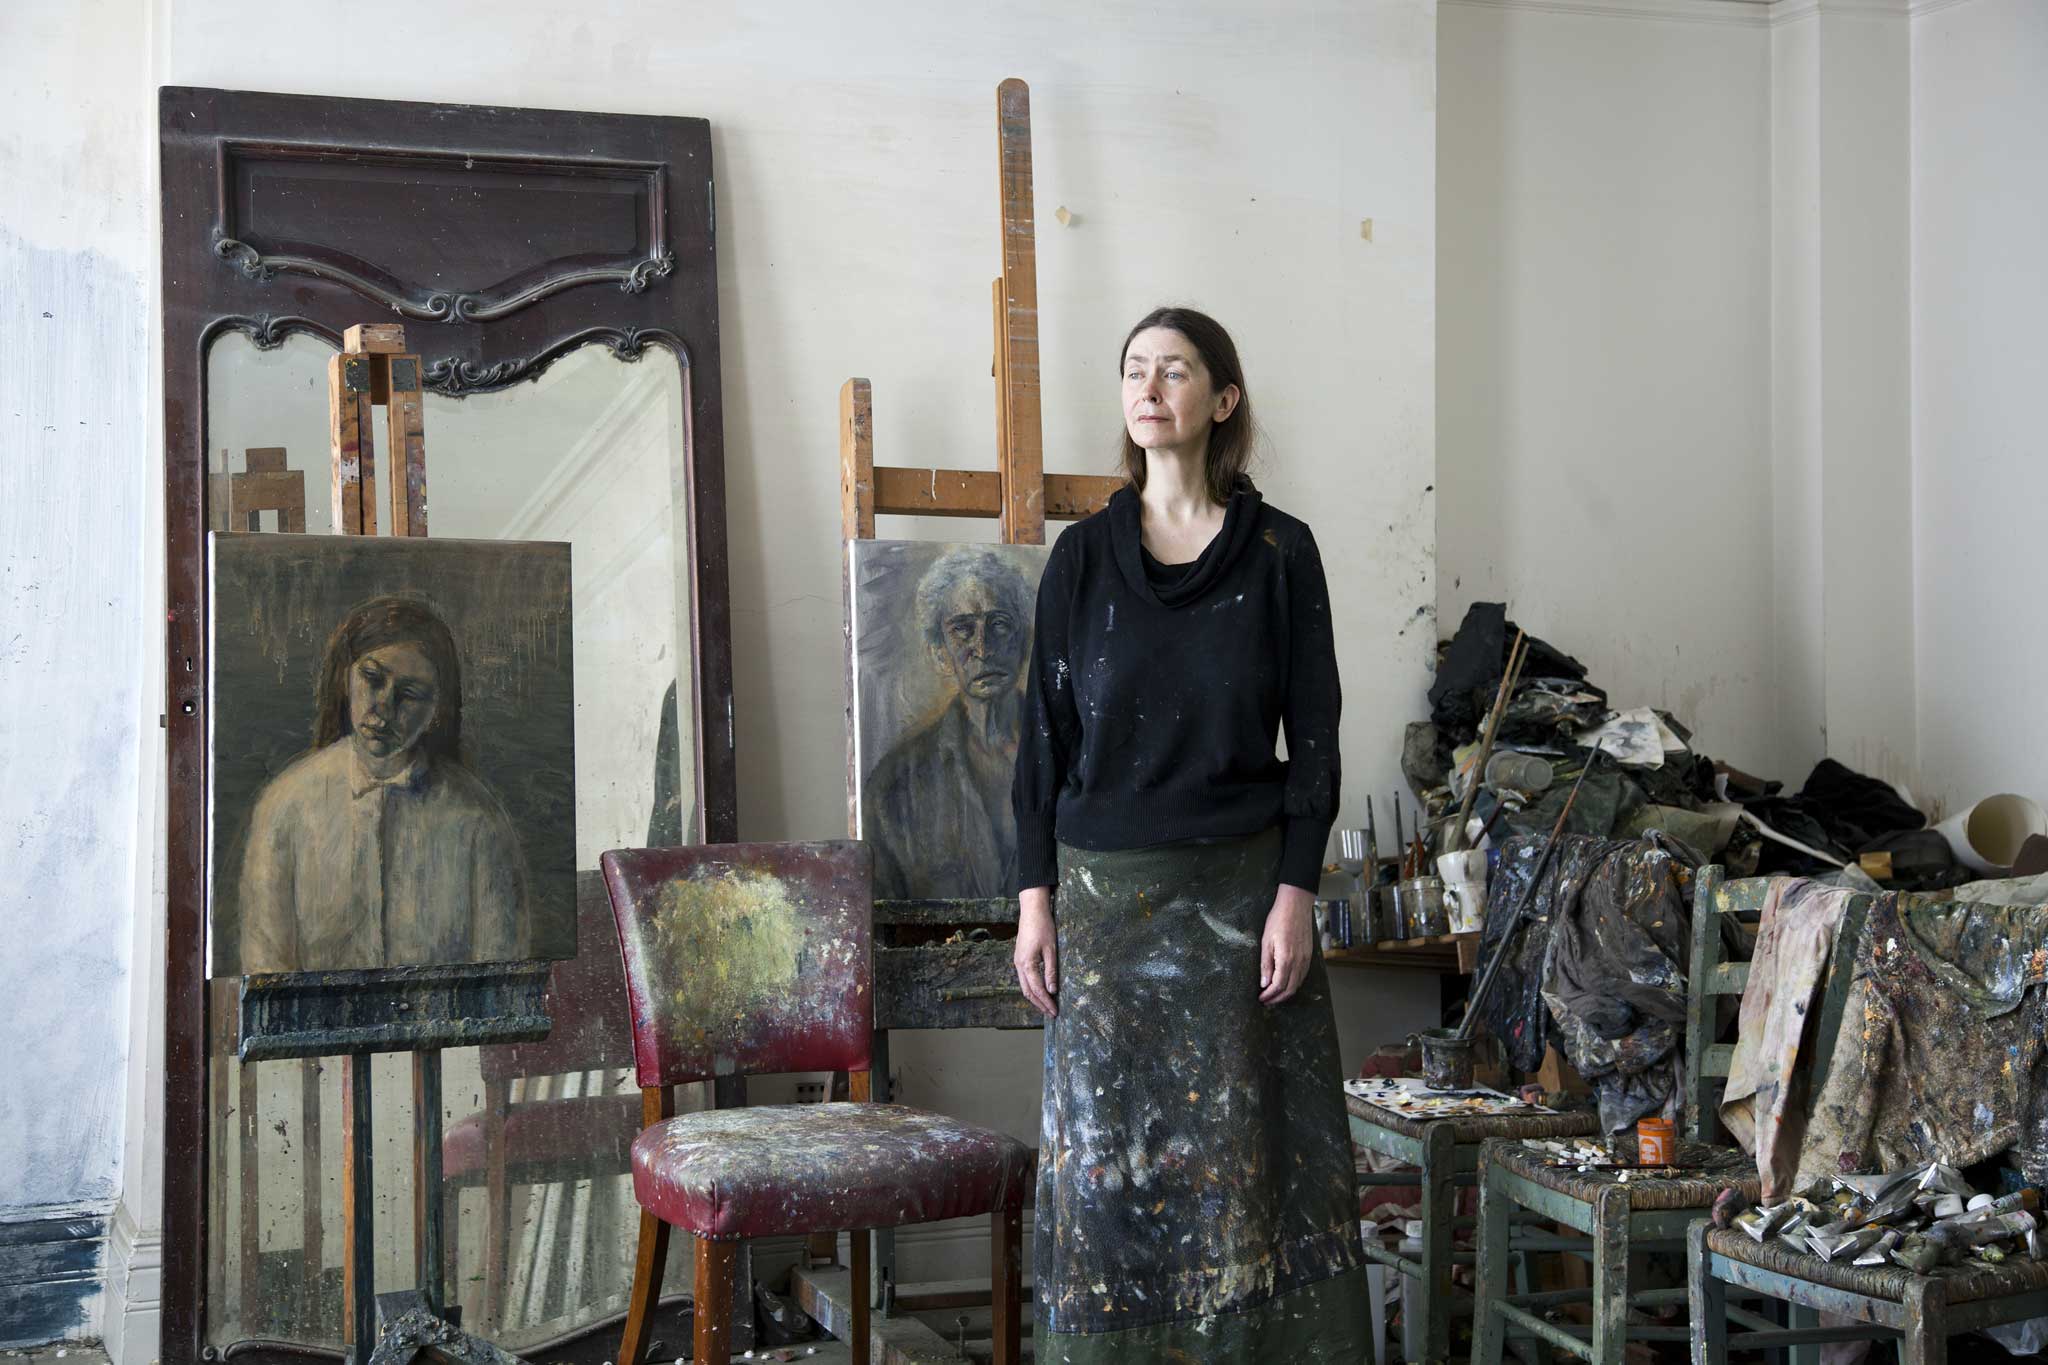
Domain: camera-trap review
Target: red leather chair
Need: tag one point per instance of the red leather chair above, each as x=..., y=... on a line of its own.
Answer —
x=744, y=959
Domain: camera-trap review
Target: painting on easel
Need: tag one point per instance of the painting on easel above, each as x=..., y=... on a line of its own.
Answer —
x=941, y=644
x=392, y=770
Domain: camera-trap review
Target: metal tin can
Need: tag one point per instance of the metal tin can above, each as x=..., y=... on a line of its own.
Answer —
x=1656, y=1142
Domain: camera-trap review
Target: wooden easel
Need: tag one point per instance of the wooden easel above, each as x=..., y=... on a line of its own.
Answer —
x=296, y=1015
x=1021, y=496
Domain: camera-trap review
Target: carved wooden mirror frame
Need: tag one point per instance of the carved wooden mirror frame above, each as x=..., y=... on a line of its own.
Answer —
x=503, y=238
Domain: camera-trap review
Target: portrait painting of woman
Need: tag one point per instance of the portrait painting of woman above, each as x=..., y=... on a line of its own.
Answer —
x=380, y=846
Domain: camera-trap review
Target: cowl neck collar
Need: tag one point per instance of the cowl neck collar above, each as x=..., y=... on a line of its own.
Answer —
x=1240, y=523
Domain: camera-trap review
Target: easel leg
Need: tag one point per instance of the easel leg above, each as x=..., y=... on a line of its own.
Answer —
x=358, y=1230
x=426, y=1166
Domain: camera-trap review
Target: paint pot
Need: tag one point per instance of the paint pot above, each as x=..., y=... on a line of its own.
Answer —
x=1521, y=772
x=1987, y=837
x=1464, y=878
x=1422, y=902
x=1393, y=918
x=1446, y=1059
x=1656, y=1142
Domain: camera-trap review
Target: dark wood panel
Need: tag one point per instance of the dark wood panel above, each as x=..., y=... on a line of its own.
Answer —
x=950, y=985
x=599, y=194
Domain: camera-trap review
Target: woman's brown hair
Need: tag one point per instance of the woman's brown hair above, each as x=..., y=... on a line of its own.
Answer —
x=372, y=625
x=1230, y=440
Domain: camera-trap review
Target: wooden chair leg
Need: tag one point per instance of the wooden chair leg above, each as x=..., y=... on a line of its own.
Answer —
x=1610, y=1276
x=858, y=1243
x=1926, y=1335
x=648, y=1264
x=1006, y=1283
x=713, y=1303
x=1707, y=1300
x=1488, y=1327
x=1798, y=1315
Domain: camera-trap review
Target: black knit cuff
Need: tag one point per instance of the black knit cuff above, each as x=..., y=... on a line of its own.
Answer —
x=1038, y=862
x=1301, y=852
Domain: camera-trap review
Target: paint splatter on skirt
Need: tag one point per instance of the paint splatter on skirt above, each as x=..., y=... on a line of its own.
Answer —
x=1195, y=1193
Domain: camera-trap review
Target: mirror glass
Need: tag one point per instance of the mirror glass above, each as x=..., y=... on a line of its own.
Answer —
x=539, y=1210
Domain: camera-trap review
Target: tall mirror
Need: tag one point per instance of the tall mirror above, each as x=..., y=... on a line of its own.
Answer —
x=555, y=273
x=539, y=1214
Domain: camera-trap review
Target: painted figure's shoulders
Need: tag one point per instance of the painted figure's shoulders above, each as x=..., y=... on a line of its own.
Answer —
x=462, y=795
x=307, y=783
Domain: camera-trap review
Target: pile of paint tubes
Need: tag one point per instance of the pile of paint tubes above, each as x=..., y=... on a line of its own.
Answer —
x=1916, y=1219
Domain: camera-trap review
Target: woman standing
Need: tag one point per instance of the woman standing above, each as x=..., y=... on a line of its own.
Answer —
x=1196, y=1198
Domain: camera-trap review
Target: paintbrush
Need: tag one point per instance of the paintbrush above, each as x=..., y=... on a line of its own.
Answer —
x=1400, y=842
x=1372, y=846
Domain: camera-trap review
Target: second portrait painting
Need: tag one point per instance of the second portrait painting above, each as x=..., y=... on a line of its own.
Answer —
x=941, y=644
x=392, y=747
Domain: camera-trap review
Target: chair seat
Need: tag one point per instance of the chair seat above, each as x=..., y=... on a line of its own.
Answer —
x=1960, y=1283
x=1707, y=1170
x=730, y=1173
x=591, y=1131
x=1477, y=1127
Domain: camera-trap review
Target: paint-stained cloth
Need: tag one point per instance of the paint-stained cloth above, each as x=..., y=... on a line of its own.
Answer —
x=1599, y=967
x=1764, y=1106
x=1196, y=1200
x=1941, y=1056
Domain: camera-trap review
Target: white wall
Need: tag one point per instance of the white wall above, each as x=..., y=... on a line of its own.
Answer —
x=1604, y=425
x=1980, y=407
x=75, y=640
x=1213, y=155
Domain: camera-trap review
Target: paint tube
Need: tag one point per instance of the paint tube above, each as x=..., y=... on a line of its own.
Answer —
x=1846, y=1247
x=2037, y=1245
x=1946, y=1179
x=1880, y=1251
x=1761, y=1222
x=1999, y=1227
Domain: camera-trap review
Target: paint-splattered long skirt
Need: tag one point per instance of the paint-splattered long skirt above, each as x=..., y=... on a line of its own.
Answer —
x=1195, y=1192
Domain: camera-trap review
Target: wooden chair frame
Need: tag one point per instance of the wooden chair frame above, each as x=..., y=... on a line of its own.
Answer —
x=1613, y=1230
x=1920, y=1320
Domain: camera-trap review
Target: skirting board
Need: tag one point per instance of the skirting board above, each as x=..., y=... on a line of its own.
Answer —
x=50, y=1278
x=134, y=1291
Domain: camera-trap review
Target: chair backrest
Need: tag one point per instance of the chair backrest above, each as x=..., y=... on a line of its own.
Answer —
x=745, y=958
x=1713, y=975
x=592, y=1028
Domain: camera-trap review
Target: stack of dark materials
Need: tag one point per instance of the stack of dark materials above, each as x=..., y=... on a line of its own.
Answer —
x=1838, y=814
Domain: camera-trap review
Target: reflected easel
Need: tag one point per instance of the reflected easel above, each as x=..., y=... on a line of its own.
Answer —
x=1020, y=495
x=421, y=1010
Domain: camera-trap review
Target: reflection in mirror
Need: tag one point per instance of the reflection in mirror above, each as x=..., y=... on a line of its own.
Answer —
x=539, y=1205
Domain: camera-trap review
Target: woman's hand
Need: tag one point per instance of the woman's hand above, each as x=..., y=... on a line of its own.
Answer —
x=1285, y=947
x=1037, y=955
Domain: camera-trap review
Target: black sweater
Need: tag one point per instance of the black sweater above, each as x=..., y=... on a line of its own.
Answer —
x=1154, y=701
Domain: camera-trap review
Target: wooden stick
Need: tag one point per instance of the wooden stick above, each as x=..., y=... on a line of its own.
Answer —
x=1517, y=652
x=1023, y=520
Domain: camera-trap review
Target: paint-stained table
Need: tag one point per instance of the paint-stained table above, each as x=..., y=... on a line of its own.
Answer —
x=1446, y=1151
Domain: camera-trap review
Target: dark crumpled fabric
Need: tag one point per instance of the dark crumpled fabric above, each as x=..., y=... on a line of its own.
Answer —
x=1855, y=809
x=1942, y=1054
x=1599, y=968
x=1607, y=800
x=1469, y=670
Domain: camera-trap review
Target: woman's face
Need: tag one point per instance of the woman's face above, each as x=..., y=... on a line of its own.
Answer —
x=1170, y=403
x=392, y=693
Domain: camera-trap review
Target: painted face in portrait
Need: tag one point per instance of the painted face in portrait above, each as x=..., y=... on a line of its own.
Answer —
x=981, y=640
x=392, y=696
